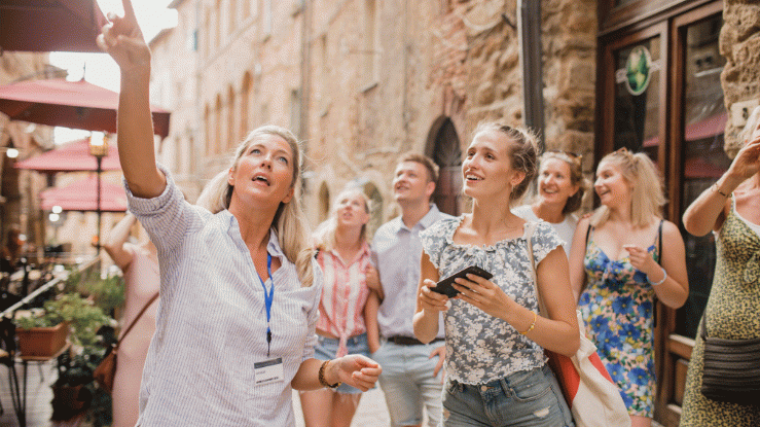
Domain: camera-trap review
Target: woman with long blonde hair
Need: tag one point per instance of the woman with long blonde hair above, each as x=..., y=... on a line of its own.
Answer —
x=239, y=289
x=343, y=254
x=617, y=269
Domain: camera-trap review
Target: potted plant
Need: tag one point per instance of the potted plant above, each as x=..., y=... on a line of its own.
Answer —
x=74, y=391
x=41, y=336
x=45, y=335
x=82, y=308
x=108, y=293
x=84, y=318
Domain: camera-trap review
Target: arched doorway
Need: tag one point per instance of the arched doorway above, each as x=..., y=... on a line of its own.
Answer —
x=375, y=206
x=447, y=154
x=324, y=202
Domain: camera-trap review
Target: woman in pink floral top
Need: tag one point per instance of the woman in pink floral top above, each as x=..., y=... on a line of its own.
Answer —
x=344, y=256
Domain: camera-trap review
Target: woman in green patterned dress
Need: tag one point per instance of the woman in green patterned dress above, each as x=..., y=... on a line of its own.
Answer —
x=615, y=255
x=731, y=209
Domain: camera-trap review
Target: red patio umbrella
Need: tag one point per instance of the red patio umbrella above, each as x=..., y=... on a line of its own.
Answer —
x=82, y=196
x=50, y=25
x=78, y=105
x=72, y=157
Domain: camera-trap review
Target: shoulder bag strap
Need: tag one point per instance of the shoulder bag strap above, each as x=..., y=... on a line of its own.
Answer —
x=659, y=242
x=529, y=237
x=585, y=249
x=139, y=315
x=702, y=327
x=655, y=303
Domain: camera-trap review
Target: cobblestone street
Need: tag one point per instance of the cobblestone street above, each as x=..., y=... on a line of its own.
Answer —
x=372, y=411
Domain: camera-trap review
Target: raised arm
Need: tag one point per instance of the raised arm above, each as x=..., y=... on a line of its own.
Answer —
x=706, y=213
x=114, y=243
x=123, y=40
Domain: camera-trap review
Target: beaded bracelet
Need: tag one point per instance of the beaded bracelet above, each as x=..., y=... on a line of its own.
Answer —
x=665, y=276
x=322, y=379
x=532, y=325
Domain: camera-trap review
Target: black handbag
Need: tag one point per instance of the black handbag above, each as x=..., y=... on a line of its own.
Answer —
x=731, y=369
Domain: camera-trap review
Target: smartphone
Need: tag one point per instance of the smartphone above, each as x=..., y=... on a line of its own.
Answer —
x=445, y=286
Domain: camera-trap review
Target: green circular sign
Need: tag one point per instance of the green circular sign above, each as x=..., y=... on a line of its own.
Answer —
x=638, y=70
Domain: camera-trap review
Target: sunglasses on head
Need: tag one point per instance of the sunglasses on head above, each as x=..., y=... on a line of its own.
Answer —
x=570, y=154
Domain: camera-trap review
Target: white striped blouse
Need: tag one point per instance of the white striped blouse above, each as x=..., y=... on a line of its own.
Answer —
x=211, y=325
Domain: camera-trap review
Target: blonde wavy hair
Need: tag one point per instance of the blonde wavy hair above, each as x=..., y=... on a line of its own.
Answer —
x=647, y=197
x=324, y=237
x=289, y=222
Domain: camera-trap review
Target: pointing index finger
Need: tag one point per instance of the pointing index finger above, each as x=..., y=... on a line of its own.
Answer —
x=129, y=11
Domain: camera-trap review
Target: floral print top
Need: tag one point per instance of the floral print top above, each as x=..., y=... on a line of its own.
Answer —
x=479, y=347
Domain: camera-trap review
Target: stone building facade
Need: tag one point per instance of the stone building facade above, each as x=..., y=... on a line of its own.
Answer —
x=19, y=189
x=362, y=82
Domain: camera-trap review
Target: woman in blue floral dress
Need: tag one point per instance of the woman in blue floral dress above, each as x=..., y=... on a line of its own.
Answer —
x=615, y=254
x=496, y=371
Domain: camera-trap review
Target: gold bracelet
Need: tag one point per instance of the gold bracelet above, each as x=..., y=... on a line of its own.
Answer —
x=532, y=325
x=322, y=379
x=717, y=189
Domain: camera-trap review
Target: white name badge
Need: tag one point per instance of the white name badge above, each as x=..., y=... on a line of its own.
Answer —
x=268, y=371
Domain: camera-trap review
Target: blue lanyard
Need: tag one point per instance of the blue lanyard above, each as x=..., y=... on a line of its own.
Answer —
x=268, y=298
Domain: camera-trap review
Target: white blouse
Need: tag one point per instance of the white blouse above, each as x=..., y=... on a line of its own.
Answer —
x=212, y=323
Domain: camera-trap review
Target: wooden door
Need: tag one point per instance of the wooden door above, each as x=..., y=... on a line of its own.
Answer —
x=659, y=92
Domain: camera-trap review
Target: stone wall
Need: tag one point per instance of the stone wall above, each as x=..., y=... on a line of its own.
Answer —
x=448, y=59
x=569, y=41
x=379, y=79
x=740, y=45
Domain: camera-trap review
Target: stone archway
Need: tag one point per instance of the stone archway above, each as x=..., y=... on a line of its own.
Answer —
x=375, y=206
x=324, y=202
x=446, y=152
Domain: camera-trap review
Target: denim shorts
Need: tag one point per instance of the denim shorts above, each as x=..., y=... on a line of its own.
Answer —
x=526, y=398
x=327, y=348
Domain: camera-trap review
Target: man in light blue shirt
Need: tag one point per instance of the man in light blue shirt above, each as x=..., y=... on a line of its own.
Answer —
x=410, y=378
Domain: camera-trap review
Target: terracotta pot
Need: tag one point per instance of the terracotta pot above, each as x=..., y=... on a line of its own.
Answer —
x=42, y=342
